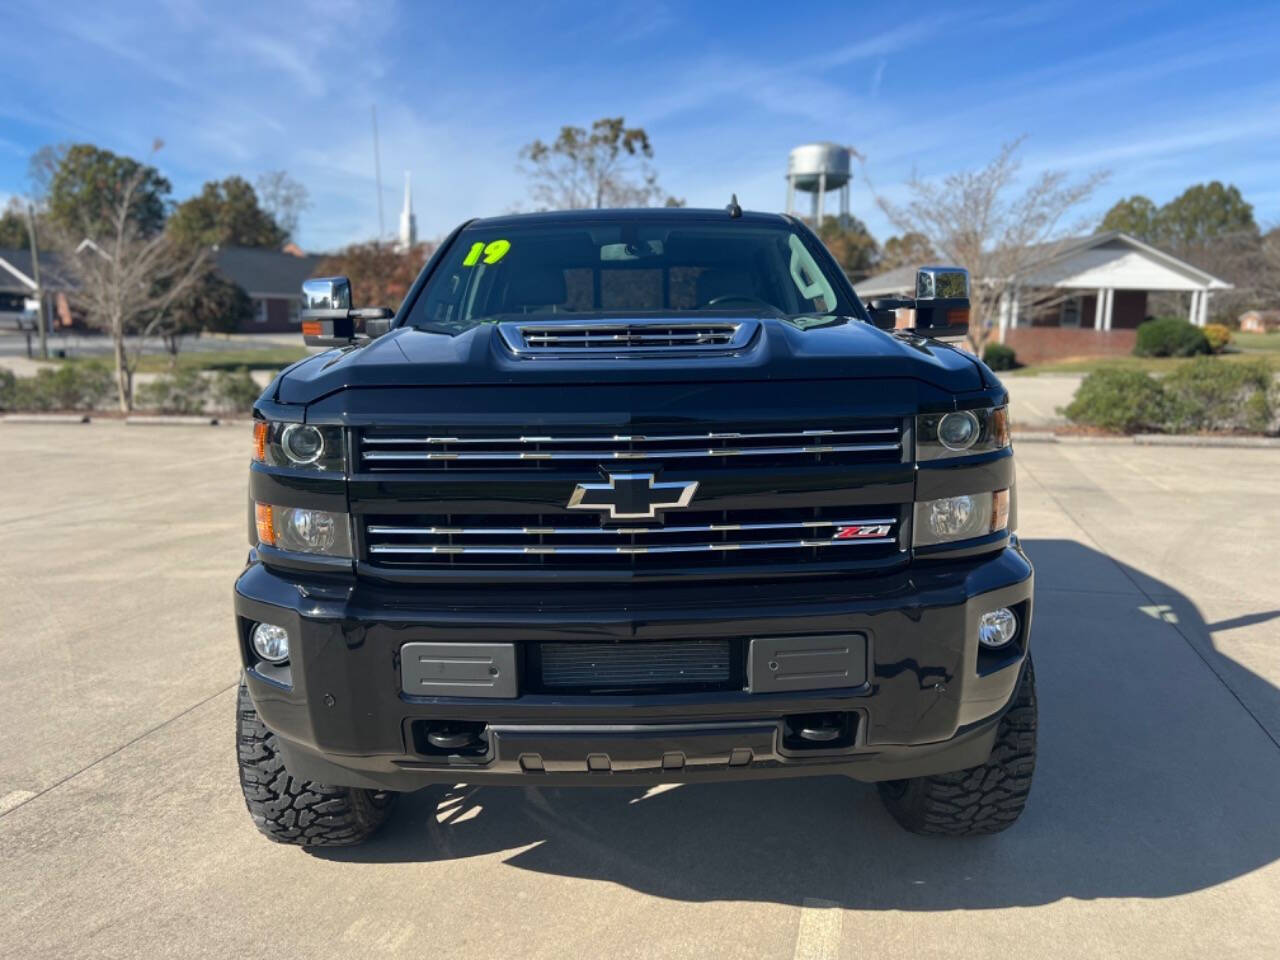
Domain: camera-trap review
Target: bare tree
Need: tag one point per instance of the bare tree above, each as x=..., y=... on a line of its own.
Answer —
x=284, y=198
x=983, y=221
x=605, y=167
x=126, y=279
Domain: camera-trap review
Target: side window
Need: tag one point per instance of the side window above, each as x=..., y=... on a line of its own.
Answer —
x=808, y=278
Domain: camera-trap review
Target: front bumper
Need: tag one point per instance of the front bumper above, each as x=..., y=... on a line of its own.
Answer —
x=930, y=703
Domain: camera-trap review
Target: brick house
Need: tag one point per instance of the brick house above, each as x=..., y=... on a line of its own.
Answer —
x=1260, y=321
x=273, y=281
x=1085, y=298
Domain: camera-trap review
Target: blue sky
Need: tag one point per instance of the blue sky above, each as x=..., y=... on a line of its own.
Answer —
x=1161, y=95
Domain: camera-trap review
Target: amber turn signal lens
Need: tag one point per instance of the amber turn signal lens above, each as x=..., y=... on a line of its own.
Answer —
x=260, y=428
x=999, y=510
x=266, y=523
x=958, y=318
x=312, y=328
x=998, y=427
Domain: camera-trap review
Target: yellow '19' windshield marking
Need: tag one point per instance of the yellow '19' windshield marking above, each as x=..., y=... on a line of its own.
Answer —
x=493, y=251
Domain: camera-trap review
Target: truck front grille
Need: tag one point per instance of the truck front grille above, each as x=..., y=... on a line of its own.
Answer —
x=401, y=450
x=540, y=539
x=680, y=664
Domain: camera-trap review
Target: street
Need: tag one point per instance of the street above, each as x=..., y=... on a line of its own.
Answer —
x=1152, y=828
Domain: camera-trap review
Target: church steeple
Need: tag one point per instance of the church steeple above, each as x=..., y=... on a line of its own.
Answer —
x=408, y=223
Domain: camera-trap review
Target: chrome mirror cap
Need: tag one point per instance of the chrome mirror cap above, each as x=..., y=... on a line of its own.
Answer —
x=942, y=283
x=326, y=293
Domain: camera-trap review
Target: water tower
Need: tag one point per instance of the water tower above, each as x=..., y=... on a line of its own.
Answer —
x=817, y=168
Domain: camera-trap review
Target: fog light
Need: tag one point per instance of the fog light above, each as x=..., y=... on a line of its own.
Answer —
x=271, y=643
x=997, y=628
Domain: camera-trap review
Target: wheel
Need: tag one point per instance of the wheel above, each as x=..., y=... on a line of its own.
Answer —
x=303, y=812
x=981, y=800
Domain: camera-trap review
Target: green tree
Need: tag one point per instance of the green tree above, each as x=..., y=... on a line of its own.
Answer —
x=212, y=304
x=1204, y=214
x=226, y=213
x=85, y=192
x=607, y=166
x=911, y=249
x=851, y=244
x=1136, y=216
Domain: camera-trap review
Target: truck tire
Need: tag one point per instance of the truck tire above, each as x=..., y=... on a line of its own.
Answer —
x=303, y=812
x=981, y=800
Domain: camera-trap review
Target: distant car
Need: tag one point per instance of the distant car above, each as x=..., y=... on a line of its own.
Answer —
x=632, y=497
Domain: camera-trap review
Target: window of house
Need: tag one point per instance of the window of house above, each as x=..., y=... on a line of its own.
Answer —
x=1070, y=315
x=295, y=310
x=260, y=316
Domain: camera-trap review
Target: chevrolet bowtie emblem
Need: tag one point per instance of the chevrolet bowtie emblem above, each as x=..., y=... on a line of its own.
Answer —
x=633, y=496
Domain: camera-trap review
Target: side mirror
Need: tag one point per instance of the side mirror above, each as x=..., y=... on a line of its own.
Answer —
x=941, y=304
x=328, y=319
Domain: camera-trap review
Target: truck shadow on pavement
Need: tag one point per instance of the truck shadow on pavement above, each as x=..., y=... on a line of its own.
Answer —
x=1156, y=776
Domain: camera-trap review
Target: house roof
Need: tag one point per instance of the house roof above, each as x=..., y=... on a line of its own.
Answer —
x=17, y=274
x=1107, y=259
x=266, y=273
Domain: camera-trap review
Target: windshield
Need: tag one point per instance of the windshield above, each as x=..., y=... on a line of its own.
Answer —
x=605, y=268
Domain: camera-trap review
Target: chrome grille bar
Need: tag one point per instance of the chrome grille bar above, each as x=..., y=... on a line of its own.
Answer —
x=384, y=529
x=639, y=438
x=388, y=455
x=387, y=549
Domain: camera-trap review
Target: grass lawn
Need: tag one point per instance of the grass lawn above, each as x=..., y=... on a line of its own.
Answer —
x=1244, y=347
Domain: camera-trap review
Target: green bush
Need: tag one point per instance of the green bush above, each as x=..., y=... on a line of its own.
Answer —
x=69, y=386
x=1170, y=337
x=999, y=357
x=1125, y=400
x=1218, y=336
x=235, y=391
x=1209, y=394
x=183, y=392
x=8, y=386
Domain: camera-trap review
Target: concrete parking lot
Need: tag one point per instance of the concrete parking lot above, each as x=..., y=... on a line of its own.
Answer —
x=1153, y=828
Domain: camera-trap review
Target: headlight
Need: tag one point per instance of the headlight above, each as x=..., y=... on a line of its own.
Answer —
x=302, y=445
x=965, y=517
x=961, y=432
x=303, y=530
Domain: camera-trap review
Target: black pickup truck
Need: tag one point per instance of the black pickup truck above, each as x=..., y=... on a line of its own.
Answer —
x=633, y=497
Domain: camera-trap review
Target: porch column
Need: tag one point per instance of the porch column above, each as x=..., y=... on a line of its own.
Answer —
x=1193, y=315
x=1108, y=309
x=1003, y=312
x=1099, y=306
x=1204, y=307
x=1013, y=315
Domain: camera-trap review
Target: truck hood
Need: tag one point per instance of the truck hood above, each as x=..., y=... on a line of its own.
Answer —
x=804, y=349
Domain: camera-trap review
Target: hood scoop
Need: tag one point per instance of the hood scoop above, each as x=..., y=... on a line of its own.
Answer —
x=597, y=339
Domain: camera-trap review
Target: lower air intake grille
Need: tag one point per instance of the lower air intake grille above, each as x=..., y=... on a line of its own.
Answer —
x=679, y=664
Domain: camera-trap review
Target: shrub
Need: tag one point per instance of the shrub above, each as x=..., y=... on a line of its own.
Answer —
x=8, y=386
x=999, y=357
x=69, y=386
x=235, y=391
x=183, y=392
x=1125, y=400
x=1170, y=337
x=1218, y=336
x=1210, y=394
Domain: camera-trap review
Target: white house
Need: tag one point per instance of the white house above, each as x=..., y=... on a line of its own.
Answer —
x=1091, y=292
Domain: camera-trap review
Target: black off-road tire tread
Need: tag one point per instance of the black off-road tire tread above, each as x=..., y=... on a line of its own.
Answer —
x=982, y=800
x=302, y=812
